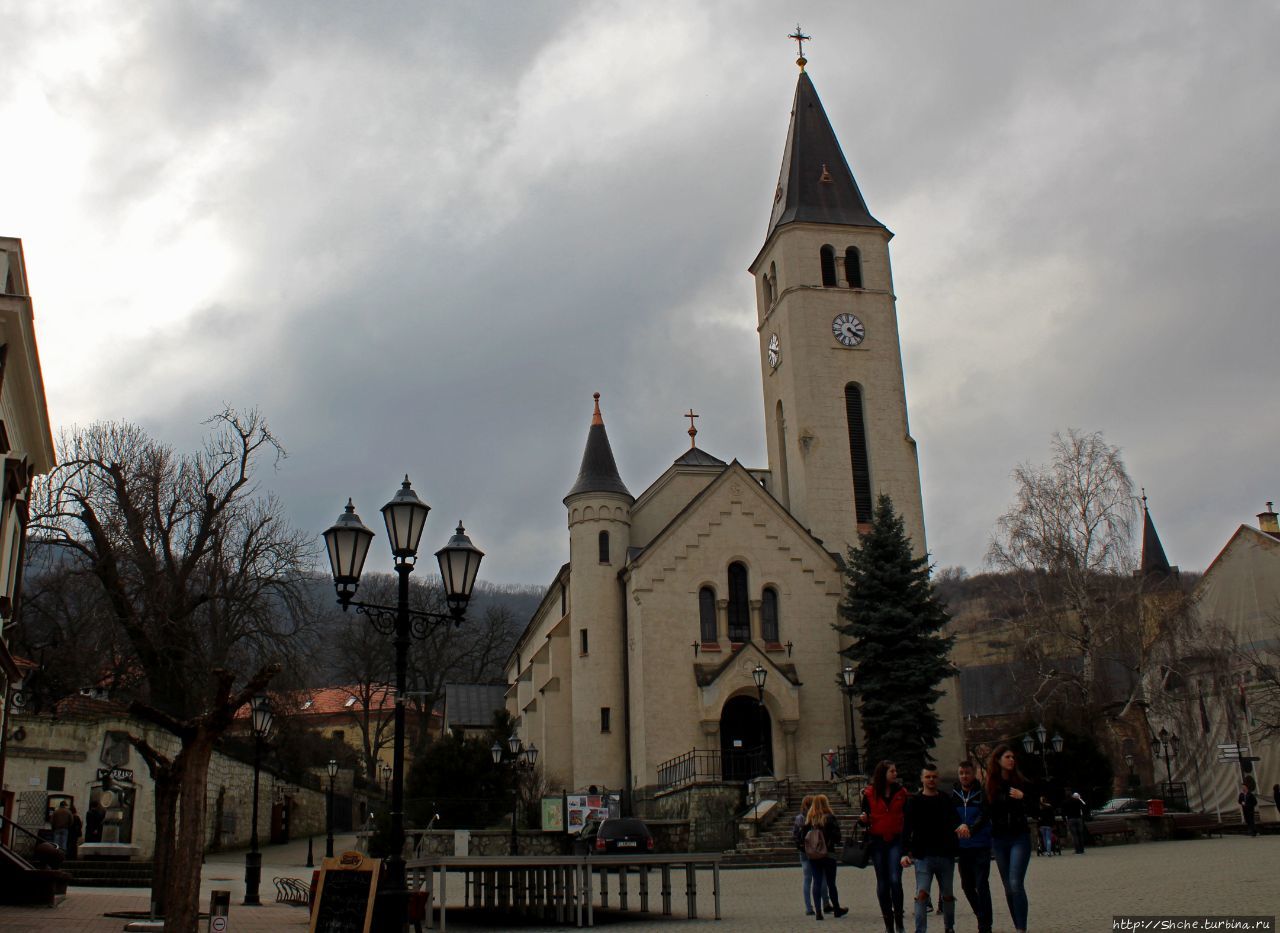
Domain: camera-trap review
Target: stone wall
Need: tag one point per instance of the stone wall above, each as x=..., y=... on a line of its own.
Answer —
x=708, y=814
x=80, y=747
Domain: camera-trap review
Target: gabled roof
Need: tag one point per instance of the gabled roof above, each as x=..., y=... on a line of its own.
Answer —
x=815, y=184
x=598, y=472
x=734, y=468
x=706, y=675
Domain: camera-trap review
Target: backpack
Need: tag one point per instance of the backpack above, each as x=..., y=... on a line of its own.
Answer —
x=815, y=844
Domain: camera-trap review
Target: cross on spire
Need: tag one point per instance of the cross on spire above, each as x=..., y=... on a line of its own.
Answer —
x=693, y=430
x=801, y=39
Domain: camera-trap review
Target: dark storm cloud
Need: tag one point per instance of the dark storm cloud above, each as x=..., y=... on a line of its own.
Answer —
x=447, y=227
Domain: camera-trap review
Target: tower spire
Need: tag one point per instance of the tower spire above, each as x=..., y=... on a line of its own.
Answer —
x=1154, y=565
x=815, y=184
x=599, y=471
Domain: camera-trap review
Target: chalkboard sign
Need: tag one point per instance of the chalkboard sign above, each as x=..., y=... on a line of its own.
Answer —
x=345, y=895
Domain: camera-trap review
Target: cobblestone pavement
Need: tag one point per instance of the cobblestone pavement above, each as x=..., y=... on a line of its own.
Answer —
x=1069, y=893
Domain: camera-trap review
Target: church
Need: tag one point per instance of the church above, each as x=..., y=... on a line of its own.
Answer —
x=693, y=627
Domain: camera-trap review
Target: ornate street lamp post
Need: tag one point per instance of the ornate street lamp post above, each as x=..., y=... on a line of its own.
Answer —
x=347, y=542
x=1168, y=745
x=521, y=759
x=759, y=675
x=1042, y=740
x=261, y=721
x=1133, y=775
x=847, y=677
x=332, y=768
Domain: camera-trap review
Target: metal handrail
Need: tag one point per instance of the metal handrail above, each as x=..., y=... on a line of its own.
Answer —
x=708, y=765
x=34, y=839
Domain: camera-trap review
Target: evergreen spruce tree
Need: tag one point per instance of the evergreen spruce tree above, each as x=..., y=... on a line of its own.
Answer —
x=899, y=650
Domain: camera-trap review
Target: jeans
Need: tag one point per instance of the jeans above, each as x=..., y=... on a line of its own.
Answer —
x=60, y=838
x=975, y=881
x=1046, y=839
x=824, y=884
x=886, y=857
x=928, y=868
x=1013, y=854
x=1077, y=834
x=808, y=882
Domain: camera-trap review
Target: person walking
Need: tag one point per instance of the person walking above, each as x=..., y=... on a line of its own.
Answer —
x=930, y=833
x=1044, y=823
x=974, y=834
x=821, y=840
x=1248, y=806
x=1009, y=800
x=1075, y=810
x=883, y=803
x=797, y=837
x=60, y=822
x=73, y=838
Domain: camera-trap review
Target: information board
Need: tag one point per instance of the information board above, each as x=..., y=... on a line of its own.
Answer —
x=345, y=895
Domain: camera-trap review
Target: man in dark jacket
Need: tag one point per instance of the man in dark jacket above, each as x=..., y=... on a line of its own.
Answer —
x=974, y=833
x=1075, y=810
x=929, y=835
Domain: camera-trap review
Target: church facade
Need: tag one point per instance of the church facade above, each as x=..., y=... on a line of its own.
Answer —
x=675, y=602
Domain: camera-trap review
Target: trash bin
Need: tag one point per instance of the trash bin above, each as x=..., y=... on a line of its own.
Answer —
x=1155, y=807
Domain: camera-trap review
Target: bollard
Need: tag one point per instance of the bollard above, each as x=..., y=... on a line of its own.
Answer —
x=219, y=909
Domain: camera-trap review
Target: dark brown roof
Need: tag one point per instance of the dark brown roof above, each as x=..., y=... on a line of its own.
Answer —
x=815, y=184
x=598, y=472
x=1155, y=566
x=695, y=457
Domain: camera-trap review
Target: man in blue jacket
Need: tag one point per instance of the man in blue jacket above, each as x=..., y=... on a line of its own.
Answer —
x=974, y=834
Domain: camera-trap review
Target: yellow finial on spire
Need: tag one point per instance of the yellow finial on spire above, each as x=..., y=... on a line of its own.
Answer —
x=596, y=417
x=801, y=39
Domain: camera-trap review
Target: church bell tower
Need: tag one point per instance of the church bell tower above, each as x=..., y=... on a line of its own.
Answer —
x=835, y=402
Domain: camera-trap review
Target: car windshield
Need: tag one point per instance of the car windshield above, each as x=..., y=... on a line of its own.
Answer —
x=612, y=829
x=1118, y=803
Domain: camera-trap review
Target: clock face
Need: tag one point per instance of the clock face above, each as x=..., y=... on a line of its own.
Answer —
x=775, y=351
x=848, y=330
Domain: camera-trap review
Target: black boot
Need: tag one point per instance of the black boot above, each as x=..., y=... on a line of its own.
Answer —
x=897, y=922
x=888, y=921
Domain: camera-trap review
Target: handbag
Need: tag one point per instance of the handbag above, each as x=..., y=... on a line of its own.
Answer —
x=857, y=852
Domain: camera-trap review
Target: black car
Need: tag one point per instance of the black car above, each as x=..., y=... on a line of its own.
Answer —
x=614, y=837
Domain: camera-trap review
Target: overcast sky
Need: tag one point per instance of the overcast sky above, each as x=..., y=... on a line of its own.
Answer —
x=419, y=235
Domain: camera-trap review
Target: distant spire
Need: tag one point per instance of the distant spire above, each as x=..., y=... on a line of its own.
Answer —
x=1155, y=566
x=599, y=471
x=693, y=431
x=815, y=184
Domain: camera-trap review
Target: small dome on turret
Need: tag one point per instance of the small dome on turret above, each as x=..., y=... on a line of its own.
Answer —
x=599, y=472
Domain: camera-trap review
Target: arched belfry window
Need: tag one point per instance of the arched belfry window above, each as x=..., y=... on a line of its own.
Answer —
x=769, y=615
x=739, y=610
x=782, y=487
x=858, y=452
x=707, y=614
x=604, y=547
x=828, y=266
x=853, y=267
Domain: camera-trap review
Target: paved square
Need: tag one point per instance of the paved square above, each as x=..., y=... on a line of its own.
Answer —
x=1068, y=893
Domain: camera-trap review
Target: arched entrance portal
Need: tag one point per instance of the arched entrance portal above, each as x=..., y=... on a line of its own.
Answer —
x=746, y=743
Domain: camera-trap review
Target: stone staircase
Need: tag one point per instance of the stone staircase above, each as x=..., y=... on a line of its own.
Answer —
x=109, y=873
x=774, y=847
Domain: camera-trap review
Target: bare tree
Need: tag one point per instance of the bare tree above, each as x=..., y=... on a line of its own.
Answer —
x=202, y=574
x=1066, y=547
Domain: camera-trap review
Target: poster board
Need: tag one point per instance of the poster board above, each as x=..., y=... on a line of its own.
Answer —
x=553, y=814
x=581, y=808
x=345, y=895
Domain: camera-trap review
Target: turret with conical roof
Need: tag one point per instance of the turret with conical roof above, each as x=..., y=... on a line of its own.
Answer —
x=599, y=507
x=1154, y=566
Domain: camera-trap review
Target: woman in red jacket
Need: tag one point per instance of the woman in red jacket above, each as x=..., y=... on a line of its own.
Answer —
x=883, y=802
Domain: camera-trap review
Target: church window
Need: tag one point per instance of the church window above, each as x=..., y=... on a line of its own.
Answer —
x=853, y=267
x=858, y=452
x=707, y=614
x=772, y=281
x=604, y=718
x=828, y=266
x=783, y=488
x=739, y=612
x=582, y=641
x=769, y=615
x=604, y=547
x=55, y=779
x=564, y=599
